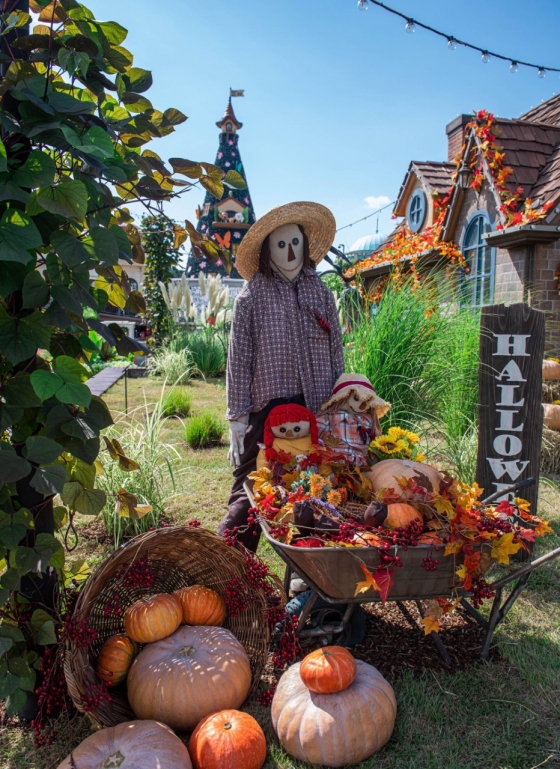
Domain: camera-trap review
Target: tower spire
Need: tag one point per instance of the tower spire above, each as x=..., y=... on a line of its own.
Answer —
x=229, y=123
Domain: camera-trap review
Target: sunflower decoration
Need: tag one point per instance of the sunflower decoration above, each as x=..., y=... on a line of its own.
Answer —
x=397, y=443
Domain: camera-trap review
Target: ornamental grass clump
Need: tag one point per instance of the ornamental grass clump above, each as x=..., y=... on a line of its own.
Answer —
x=177, y=403
x=207, y=349
x=173, y=366
x=204, y=430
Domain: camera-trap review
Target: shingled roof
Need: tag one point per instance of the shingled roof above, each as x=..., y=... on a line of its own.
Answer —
x=548, y=112
x=435, y=175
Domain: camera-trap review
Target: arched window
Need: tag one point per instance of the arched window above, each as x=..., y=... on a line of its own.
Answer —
x=133, y=284
x=478, y=287
x=417, y=207
x=228, y=127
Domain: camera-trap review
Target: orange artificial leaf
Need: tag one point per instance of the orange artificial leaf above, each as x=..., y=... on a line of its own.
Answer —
x=462, y=572
x=543, y=527
x=452, y=548
x=504, y=546
x=445, y=507
x=431, y=625
x=369, y=582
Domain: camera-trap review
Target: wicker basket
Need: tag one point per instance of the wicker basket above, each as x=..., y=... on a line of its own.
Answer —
x=178, y=556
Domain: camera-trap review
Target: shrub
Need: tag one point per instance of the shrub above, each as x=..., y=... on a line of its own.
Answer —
x=207, y=349
x=204, y=430
x=142, y=437
x=173, y=366
x=177, y=403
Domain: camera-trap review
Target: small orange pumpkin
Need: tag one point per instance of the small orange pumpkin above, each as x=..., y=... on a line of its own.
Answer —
x=400, y=514
x=228, y=738
x=429, y=538
x=201, y=605
x=328, y=670
x=153, y=617
x=368, y=539
x=115, y=658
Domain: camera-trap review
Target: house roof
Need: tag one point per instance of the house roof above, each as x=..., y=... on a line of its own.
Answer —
x=548, y=112
x=229, y=114
x=433, y=174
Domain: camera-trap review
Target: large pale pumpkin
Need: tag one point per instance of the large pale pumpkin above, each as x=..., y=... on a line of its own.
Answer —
x=334, y=729
x=185, y=677
x=115, y=658
x=551, y=416
x=228, y=739
x=153, y=617
x=201, y=605
x=328, y=670
x=550, y=369
x=383, y=475
x=131, y=745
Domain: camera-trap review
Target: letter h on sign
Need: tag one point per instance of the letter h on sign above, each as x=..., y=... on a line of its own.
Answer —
x=510, y=398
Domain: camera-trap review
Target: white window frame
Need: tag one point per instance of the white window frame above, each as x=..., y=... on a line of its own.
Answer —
x=474, y=273
x=421, y=210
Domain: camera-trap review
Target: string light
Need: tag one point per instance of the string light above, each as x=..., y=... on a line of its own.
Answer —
x=379, y=210
x=453, y=42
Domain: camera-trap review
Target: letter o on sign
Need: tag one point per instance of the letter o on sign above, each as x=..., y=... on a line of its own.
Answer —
x=507, y=445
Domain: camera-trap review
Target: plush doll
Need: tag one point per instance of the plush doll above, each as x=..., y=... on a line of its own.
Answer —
x=349, y=420
x=289, y=429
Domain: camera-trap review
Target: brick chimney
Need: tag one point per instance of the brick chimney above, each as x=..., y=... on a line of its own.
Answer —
x=455, y=133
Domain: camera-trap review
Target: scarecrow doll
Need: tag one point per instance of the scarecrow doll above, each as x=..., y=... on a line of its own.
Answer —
x=288, y=430
x=285, y=343
x=349, y=420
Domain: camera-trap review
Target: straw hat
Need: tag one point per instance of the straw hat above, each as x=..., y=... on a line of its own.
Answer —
x=359, y=384
x=316, y=220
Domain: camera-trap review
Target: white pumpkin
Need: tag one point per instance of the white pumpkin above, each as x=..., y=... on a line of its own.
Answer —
x=551, y=414
x=132, y=745
x=334, y=729
x=188, y=675
x=550, y=369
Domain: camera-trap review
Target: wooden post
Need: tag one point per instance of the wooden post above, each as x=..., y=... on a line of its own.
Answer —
x=510, y=398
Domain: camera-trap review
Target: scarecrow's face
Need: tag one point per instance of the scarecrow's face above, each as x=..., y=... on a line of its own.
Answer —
x=292, y=429
x=354, y=405
x=286, y=250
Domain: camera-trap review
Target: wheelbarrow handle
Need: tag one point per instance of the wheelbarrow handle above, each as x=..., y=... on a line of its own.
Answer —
x=514, y=487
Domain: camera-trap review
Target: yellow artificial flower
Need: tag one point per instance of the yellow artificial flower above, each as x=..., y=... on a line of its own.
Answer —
x=317, y=485
x=420, y=457
x=334, y=497
x=397, y=432
x=412, y=438
x=388, y=445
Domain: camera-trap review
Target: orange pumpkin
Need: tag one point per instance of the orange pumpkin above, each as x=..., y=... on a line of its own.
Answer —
x=228, y=738
x=400, y=514
x=201, y=605
x=384, y=474
x=328, y=670
x=429, y=538
x=368, y=539
x=153, y=617
x=115, y=658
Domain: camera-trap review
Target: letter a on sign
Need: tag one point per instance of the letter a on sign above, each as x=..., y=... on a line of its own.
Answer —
x=509, y=396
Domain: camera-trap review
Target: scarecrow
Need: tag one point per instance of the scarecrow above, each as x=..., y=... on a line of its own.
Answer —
x=349, y=420
x=285, y=343
x=289, y=429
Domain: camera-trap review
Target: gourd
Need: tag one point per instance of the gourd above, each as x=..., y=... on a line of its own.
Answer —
x=153, y=617
x=115, y=658
x=383, y=475
x=334, y=729
x=188, y=675
x=551, y=416
x=228, y=739
x=138, y=744
x=201, y=605
x=550, y=369
x=328, y=670
x=429, y=538
x=400, y=514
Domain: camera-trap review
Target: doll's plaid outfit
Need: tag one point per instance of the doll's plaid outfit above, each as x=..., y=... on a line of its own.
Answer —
x=348, y=434
x=285, y=340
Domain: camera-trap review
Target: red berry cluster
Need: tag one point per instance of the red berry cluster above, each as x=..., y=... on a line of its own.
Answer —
x=279, y=531
x=265, y=698
x=94, y=696
x=236, y=597
x=79, y=631
x=194, y=523
x=137, y=574
x=275, y=615
x=52, y=695
x=481, y=590
x=288, y=648
x=406, y=536
x=346, y=533
x=388, y=560
x=113, y=607
x=429, y=563
x=230, y=536
x=257, y=573
x=500, y=525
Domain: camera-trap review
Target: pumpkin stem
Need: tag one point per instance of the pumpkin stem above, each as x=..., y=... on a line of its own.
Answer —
x=186, y=651
x=227, y=725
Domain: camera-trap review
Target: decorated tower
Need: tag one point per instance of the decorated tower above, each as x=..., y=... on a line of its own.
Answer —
x=225, y=220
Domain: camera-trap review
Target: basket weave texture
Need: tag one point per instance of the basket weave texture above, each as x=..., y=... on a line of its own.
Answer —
x=178, y=556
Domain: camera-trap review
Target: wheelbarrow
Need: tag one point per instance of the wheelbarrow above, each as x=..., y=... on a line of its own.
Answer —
x=332, y=574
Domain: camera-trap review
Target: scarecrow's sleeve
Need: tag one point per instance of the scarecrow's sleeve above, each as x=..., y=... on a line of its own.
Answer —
x=240, y=359
x=337, y=352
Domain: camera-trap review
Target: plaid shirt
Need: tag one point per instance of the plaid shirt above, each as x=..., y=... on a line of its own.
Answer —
x=348, y=434
x=281, y=344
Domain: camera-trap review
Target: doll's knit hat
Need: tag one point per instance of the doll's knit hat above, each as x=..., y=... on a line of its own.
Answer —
x=360, y=384
x=289, y=412
x=317, y=221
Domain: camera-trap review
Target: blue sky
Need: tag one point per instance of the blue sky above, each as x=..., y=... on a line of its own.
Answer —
x=337, y=101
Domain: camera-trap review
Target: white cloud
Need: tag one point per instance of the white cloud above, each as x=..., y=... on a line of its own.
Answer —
x=378, y=201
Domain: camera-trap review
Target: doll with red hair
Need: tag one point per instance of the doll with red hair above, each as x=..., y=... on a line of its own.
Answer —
x=289, y=429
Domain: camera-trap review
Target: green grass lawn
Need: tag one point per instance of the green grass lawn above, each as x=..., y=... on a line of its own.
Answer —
x=503, y=714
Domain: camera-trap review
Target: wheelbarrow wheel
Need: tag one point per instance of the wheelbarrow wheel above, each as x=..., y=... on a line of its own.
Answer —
x=326, y=614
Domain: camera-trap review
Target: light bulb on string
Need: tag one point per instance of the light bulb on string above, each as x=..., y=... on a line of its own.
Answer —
x=514, y=67
x=451, y=43
x=363, y=5
x=410, y=27
x=542, y=72
x=485, y=58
